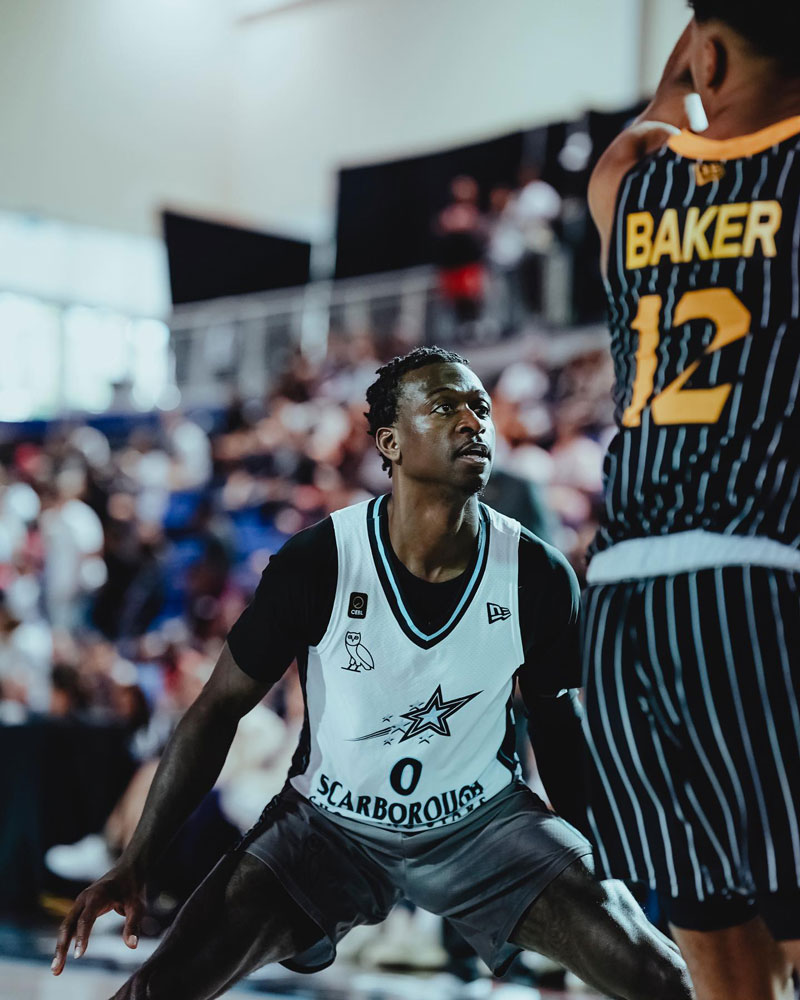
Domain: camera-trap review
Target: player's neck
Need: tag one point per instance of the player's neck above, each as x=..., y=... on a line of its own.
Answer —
x=433, y=535
x=752, y=105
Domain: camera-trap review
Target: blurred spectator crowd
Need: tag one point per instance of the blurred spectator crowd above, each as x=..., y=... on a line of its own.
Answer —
x=127, y=552
x=496, y=263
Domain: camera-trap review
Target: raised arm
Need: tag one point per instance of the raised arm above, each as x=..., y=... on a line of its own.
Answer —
x=188, y=769
x=663, y=117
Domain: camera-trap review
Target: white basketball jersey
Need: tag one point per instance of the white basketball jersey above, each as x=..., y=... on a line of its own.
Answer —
x=403, y=729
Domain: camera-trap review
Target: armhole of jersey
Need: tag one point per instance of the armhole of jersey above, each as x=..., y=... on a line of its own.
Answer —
x=612, y=254
x=510, y=531
x=518, y=636
x=338, y=598
x=612, y=246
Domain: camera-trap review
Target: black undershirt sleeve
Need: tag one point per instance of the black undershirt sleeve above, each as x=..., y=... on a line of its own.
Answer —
x=291, y=607
x=549, y=610
x=549, y=606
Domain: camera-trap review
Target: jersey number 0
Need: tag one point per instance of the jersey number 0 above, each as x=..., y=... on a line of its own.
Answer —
x=674, y=404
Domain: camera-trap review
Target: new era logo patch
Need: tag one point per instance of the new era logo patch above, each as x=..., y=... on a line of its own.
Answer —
x=497, y=613
x=358, y=605
x=706, y=173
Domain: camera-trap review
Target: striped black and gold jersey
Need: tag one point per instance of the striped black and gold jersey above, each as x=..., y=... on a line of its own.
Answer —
x=703, y=282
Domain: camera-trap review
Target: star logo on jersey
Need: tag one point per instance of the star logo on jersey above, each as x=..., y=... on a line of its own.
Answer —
x=707, y=173
x=431, y=717
x=360, y=656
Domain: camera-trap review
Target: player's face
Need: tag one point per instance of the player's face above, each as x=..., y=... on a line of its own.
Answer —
x=444, y=431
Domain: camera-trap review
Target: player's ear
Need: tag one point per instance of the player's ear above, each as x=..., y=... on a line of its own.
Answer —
x=712, y=63
x=388, y=445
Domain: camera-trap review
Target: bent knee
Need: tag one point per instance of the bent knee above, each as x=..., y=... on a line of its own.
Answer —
x=663, y=975
x=656, y=965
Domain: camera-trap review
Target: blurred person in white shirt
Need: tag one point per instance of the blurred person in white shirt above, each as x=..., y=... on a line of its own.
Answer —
x=148, y=467
x=190, y=448
x=522, y=234
x=72, y=537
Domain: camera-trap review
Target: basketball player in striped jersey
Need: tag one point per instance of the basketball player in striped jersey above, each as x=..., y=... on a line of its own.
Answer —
x=410, y=616
x=692, y=617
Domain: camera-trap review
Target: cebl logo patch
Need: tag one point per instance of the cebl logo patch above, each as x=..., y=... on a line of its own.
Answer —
x=358, y=605
x=497, y=613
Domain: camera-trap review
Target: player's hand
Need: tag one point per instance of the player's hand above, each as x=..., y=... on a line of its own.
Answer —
x=117, y=890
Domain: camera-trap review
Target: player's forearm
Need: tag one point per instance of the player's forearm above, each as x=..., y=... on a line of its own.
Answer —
x=189, y=767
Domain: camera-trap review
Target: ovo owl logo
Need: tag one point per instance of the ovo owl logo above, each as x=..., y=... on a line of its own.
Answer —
x=360, y=657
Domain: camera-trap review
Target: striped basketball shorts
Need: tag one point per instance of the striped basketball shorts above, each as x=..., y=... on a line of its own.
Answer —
x=693, y=728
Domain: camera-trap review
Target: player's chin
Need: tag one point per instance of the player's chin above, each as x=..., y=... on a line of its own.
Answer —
x=475, y=480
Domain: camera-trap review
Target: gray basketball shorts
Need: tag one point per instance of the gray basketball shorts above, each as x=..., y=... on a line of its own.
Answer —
x=482, y=873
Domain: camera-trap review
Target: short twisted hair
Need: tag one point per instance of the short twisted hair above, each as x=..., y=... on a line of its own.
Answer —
x=770, y=26
x=384, y=393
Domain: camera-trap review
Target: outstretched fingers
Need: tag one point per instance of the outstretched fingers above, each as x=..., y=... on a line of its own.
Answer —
x=133, y=918
x=66, y=932
x=78, y=924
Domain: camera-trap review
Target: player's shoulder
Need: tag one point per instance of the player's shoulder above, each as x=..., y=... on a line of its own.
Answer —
x=316, y=545
x=548, y=587
x=355, y=514
x=629, y=150
x=542, y=562
x=537, y=557
x=500, y=522
x=312, y=545
x=634, y=144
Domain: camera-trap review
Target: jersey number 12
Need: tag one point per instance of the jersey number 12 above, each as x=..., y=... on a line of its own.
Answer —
x=674, y=404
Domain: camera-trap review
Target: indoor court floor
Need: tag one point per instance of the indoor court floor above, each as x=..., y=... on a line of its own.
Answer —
x=26, y=980
x=25, y=956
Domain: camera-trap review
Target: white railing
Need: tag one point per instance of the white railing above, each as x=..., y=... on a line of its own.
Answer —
x=241, y=343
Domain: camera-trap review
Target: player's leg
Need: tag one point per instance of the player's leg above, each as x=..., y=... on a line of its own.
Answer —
x=516, y=876
x=288, y=891
x=791, y=949
x=746, y=660
x=238, y=919
x=737, y=963
x=599, y=932
x=781, y=913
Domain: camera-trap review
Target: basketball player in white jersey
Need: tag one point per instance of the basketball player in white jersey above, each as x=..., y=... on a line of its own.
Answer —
x=692, y=613
x=410, y=616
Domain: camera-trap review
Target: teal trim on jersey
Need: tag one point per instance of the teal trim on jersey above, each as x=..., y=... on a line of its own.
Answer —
x=465, y=597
